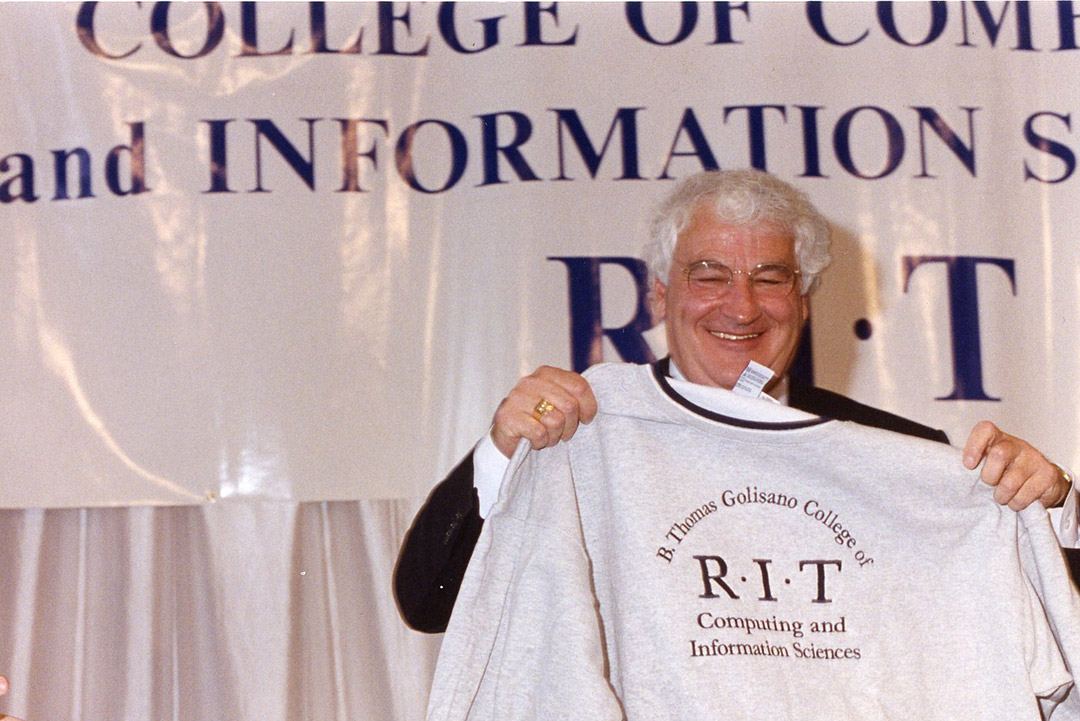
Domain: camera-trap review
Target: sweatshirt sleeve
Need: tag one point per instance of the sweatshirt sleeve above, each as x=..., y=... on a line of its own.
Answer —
x=525, y=640
x=1054, y=634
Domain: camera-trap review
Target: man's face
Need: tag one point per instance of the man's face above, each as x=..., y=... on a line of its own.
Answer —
x=712, y=339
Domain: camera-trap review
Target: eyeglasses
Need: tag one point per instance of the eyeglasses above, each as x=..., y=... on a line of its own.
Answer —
x=712, y=279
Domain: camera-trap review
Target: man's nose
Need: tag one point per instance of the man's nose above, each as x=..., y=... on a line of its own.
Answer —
x=740, y=301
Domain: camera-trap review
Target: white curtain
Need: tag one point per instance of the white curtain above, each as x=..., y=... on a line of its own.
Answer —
x=233, y=610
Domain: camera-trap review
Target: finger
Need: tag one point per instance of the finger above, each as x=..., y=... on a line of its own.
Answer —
x=570, y=410
x=564, y=389
x=517, y=416
x=513, y=422
x=3, y=685
x=564, y=409
x=557, y=425
x=580, y=393
x=553, y=425
x=557, y=414
x=533, y=391
x=570, y=391
x=569, y=426
x=1057, y=491
x=1044, y=484
x=538, y=435
x=586, y=402
x=1031, y=490
x=1003, y=495
x=541, y=430
x=1022, y=480
x=1009, y=489
x=996, y=460
x=982, y=436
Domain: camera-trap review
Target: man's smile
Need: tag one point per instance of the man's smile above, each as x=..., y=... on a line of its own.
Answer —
x=732, y=336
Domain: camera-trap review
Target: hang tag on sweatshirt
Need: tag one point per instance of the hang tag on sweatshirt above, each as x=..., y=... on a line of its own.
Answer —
x=753, y=380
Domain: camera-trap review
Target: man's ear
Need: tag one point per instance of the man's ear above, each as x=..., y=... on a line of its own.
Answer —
x=658, y=300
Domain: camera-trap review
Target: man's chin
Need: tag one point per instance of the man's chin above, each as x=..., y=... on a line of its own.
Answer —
x=705, y=377
x=726, y=370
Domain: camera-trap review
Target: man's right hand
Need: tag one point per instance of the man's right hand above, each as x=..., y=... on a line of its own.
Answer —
x=572, y=402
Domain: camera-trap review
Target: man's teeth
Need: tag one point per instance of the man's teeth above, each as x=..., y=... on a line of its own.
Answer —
x=733, y=336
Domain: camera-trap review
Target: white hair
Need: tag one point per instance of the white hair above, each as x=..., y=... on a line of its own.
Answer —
x=741, y=197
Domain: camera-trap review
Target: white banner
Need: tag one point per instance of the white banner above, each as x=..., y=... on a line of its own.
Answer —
x=301, y=251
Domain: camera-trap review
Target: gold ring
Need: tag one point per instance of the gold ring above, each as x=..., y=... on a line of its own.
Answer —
x=541, y=408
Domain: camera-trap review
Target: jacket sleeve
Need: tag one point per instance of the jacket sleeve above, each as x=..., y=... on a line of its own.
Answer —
x=436, y=551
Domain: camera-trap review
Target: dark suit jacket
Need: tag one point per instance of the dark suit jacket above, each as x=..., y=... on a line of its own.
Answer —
x=437, y=548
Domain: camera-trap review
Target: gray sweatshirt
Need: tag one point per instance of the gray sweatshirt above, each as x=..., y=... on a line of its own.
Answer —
x=671, y=563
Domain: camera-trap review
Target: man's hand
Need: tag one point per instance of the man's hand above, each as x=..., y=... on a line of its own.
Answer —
x=1019, y=474
x=572, y=402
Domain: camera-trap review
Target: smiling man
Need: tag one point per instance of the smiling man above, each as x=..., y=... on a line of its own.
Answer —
x=728, y=290
x=734, y=256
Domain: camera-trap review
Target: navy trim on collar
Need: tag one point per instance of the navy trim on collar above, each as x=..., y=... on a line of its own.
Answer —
x=662, y=370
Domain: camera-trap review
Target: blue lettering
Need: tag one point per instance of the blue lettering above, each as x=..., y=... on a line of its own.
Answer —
x=60, y=162
x=586, y=327
x=492, y=149
x=811, y=146
x=350, y=167
x=317, y=14
x=137, y=153
x=533, y=27
x=304, y=167
x=1066, y=25
x=993, y=26
x=939, y=15
x=387, y=21
x=815, y=13
x=894, y=137
x=688, y=16
x=756, y=119
x=625, y=120
x=701, y=150
x=448, y=29
x=403, y=155
x=966, y=153
x=215, y=30
x=249, y=34
x=1051, y=147
x=219, y=159
x=84, y=25
x=25, y=178
x=963, y=317
x=722, y=25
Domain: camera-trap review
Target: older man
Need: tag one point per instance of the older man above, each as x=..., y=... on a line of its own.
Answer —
x=734, y=256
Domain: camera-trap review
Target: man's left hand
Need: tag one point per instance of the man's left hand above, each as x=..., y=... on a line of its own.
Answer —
x=1019, y=474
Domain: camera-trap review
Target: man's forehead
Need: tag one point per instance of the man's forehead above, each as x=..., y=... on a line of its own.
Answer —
x=709, y=233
